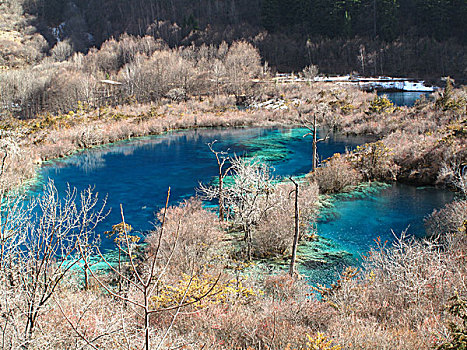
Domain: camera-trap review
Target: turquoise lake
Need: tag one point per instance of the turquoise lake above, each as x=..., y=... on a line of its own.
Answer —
x=137, y=174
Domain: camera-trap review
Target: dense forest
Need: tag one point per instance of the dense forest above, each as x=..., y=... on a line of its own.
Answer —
x=387, y=19
x=419, y=38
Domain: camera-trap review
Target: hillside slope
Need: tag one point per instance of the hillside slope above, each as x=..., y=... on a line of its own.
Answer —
x=424, y=39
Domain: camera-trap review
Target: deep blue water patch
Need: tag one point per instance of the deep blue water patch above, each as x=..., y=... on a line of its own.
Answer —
x=395, y=208
x=137, y=174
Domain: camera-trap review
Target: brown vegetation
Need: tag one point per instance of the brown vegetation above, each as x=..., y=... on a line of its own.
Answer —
x=145, y=75
x=336, y=175
x=189, y=285
x=20, y=42
x=423, y=144
x=128, y=70
x=397, y=300
x=198, y=235
x=420, y=140
x=338, y=37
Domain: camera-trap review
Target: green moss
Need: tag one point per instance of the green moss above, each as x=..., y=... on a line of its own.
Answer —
x=273, y=148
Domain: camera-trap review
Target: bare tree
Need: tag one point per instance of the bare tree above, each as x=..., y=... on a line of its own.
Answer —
x=251, y=183
x=242, y=63
x=9, y=146
x=39, y=242
x=51, y=244
x=296, y=229
x=218, y=72
x=62, y=51
x=14, y=213
x=142, y=281
x=210, y=193
x=310, y=72
x=312, y=126
x=261, y=209
x=361, y=57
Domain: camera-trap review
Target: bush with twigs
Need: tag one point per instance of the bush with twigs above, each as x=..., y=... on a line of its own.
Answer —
x=336, y=174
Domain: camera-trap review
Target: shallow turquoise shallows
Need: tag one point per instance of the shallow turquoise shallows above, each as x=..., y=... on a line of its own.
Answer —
x=352, y=223
x=138, y=173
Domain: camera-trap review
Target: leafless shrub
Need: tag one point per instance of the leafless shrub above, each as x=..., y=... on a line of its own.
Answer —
x=223, y=101
x=274, y=233
x=336, y=174
x=199, y=239
x=87, y=319
x=176, y=94
x=62, y=51
x=245, y=198
x=106, y=59
x=14, y=212
x=39, y=243
x=284, y=287
x=448, y=224
x=88, y=135
x=261, y=210
x=310, y=72
x=398, y=297
x=22, y=92
x=141, y=279
x=68, y=89
x=15, y=164
x=455, y=174
x=374, y=161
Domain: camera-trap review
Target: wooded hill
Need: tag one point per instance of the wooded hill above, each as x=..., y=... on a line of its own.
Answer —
x=420, y=38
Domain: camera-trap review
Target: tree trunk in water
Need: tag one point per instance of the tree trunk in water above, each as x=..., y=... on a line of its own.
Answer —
x=221, y=198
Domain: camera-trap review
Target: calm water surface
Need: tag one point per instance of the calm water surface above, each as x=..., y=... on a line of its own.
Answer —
x=138, y=173
x=407, y=98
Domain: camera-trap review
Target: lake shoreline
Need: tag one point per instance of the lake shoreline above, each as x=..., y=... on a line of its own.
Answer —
x=417, y=156
x=279, y=157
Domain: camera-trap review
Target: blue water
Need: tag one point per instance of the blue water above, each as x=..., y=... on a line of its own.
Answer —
x=138, y=173
x=407, y=98
x=355, y=223
x=395, y=208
